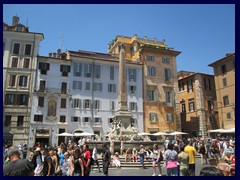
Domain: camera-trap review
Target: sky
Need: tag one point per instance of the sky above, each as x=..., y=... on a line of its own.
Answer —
x=203, y=33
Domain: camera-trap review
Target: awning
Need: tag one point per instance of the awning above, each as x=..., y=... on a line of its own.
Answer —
x=42, y=135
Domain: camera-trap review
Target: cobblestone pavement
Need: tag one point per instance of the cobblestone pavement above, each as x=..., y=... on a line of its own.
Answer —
x=141, y=172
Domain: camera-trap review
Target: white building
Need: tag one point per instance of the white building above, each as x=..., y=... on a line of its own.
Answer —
x=91, y=91
x=20, y=48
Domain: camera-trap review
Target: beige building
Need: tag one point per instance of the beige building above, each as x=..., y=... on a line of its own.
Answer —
x=224, y=76
x=160, y=84
x=197, y=103
x=20, y=48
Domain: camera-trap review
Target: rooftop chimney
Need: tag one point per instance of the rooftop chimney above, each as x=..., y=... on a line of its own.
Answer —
x=15, y=20
x=50, y=54
x=145, y=37
x=155, y=39
x=54, y=55
x=228, y=54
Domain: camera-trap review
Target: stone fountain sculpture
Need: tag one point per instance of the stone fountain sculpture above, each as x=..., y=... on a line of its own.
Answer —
x=123, y=125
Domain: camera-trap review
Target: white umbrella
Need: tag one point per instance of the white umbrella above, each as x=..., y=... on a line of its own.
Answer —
x=176, y=133
x=83, y=134
x=215, y=130
x=159, y=134
x=232, y=130
x=65, y=134
x=144, y=134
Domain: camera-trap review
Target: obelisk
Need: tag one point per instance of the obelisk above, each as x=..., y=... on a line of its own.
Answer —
x=123, y=115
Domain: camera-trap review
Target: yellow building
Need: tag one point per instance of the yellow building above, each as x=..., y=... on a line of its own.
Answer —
x=197, y=103
x=224, y=76
x=160, y=84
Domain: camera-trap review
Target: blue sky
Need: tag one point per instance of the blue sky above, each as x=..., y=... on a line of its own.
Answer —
x=203, y=33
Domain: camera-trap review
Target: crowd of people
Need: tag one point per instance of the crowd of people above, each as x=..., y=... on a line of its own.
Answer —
x=74, y=159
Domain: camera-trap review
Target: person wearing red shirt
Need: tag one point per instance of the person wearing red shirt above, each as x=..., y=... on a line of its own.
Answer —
x=86, y=160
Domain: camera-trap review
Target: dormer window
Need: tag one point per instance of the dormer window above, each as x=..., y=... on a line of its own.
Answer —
x=19, y=29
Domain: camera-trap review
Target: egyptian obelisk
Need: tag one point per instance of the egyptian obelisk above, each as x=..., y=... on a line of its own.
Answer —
x=123, y=114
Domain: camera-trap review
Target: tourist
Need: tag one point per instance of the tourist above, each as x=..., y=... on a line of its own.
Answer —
x=157, y=154
x=86, y=160
x=227, y=147
x=106, y=159
x=128, y=155
x=95, y=158
x=214, y=150
x=80, y=142
x=17, y=166
x=78, y=166
x=171, y=158
x=203, y=152
x=65, y=165
x=134, y=155
x=37, y=161
x=55, y=161
x=183, y=160
x=148, y=153
x=48, y=166
x=122, y=147
x=30, y=156
x=116, y=161
x=191, y=151
x=210, y=171
x=24, y=151
x=141, y=155
x=61, y=155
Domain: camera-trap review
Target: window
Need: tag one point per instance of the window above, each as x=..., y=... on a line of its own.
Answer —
x=97, y=71
x=26, y=63
x=131, y=51
x=132, y=89
x=190, y=86
x=62, y=119
x=63, y=103
x=10, y=99
x=229, y=116
x=65, y=69
x=88, y=86
x=38, y=118
x=169, y=117
x=132, y=73
x=225, y=100
x=28, y=48
x=23, y=81
x=19, y=28
x=23, y=99
x=77, y=85
x=20, y=121
x=12, y=80
x=183, y=107
x=77, y=69
x=152, y=95
x=210, y=105
x=16, y=48
x=40, y=101
x=169, y=98
x=167, y=74
x=87, y=70
x=64, y=88
x=97, y=87
x=151, y=71
x=211, y=119
x=75, y=119
x=97, y=120
x=224, y=69
x=111, y=87
x=76, y=103
x=133, y=106
x=165, y=60
x=207, y=83
x=111, y=73
x=96, y=104
x=191, y=106
x=86, y=119
x=42, y=85
x=224, y=82
x=150, y=58
x=181, y=86
x=15, y=62
x=44, y=67
x=7, y=121
x=87, y=104
x=111, y=105
x=153, y=117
